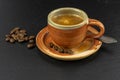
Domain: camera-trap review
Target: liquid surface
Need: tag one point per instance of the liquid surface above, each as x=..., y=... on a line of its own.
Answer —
x=67, y=19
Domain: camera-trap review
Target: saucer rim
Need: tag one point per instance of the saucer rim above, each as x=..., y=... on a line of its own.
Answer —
x=78, y=56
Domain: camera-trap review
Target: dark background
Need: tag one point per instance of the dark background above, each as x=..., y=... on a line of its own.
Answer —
x=19, y=63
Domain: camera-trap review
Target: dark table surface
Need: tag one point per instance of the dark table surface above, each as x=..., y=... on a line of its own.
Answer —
x=19, y=63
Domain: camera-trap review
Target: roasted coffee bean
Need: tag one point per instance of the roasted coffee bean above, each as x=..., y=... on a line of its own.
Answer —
x=21, y=35
x=23, y=31
x=65, y=50
x=51, y=45
x=13, y=35
x=17, y=32
x=7, y=39
x=14, y=30
x=55, y=48
x=25, y=34
x=15, y=38
x=30, y=45
x=60, y=50
x=12, y=40
x=7, y=35
x=31, y=37
x=26, y=38
x=69, y=51
x=31, y=41
x=21, y=40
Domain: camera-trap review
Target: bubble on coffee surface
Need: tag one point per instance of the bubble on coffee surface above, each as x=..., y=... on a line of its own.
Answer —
x=67, y=19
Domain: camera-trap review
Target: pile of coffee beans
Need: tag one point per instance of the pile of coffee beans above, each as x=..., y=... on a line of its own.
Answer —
x=60, y=50
x=20, y=36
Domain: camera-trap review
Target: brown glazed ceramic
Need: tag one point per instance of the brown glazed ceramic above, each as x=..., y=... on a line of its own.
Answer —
x=71, y=36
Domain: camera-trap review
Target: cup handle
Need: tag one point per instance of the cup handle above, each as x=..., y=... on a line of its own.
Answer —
x=96, y=34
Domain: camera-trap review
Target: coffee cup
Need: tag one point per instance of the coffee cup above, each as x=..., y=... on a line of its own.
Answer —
x=68, y=27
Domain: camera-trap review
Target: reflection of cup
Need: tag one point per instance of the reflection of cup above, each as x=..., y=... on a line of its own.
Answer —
x=71, y=35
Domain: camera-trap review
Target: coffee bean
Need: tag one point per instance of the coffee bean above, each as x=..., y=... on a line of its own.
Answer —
x=30, y=45
x=12, y=40
x=21, y=35
x=55, y=48
x=7, y=39
x=26, y=38
x=17, y=32
x=31, y=37
x=31, y=41
x=15, y=38
x=51, y=45
x=69, y=51
x=7, y=35
x=21, y=40
x=13, y=35
x=60, y=50
x=23, y=31
x=14, y=30
x=25, y=34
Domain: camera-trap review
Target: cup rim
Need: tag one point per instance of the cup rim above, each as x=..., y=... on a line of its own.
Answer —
x=67, y=27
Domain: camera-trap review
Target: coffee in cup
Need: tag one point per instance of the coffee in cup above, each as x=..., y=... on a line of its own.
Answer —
x=68, y=27
x=67, y=19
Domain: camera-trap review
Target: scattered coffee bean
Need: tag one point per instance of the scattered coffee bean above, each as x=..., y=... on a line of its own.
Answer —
x=15, y=37
x=31, y=37
x=55, y=48
x=23, y=31
x=12, y=40
x=31, y=41
x=14, y=30
x=17, y=32
x=51, y=45
x=61, y=50
x=65, y=50
x=30, y=45
x=20, y=35
x=21, y=40
x=26, y=38
x=7, y=39
x=7, y=35
x=68, y=51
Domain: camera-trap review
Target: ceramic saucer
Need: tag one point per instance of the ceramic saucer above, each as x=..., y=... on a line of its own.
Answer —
x=88, y=47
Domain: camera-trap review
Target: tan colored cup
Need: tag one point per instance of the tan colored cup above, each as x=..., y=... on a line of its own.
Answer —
x=70, y=36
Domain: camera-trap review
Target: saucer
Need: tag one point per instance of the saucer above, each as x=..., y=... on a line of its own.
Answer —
x=88, y=47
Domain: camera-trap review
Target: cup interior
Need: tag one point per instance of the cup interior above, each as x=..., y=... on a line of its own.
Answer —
x=67, y=10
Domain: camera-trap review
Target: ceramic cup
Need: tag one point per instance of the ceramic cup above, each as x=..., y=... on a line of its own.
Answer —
x=69, y=36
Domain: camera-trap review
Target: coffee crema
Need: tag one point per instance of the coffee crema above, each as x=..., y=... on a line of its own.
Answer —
x=67, y=19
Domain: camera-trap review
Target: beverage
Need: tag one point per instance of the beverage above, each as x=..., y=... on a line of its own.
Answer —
x=68, y=27
x=67, y=19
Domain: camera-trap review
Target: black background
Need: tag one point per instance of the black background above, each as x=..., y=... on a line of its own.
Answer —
x=19, y=63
